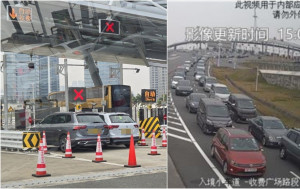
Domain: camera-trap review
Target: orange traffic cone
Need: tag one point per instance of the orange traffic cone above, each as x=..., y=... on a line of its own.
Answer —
x=153, y=145
x=143, y=141
x=164, y=139
x=41, y=165
x=132, y=158
x=99, y=157
x=45, y=143
x=68, y=152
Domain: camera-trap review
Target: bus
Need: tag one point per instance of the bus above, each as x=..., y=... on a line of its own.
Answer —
x=117, y=97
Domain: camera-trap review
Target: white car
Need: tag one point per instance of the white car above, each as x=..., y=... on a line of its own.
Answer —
x=219, y=91
x=208, y=82
x=120, y=126
x=175, y=80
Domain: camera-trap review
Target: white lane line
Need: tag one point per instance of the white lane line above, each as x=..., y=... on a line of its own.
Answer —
x=294, y=174
x=176, y=123
x=172, y=113
x=175, y=129
x=171, y=117
x=179, y=137
x=212, y=166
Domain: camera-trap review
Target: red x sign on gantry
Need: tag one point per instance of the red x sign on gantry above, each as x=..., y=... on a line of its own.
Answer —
x=78, y=94
x=109, y=27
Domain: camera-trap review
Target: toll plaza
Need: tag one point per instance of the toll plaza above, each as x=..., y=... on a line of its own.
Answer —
x=41, y=41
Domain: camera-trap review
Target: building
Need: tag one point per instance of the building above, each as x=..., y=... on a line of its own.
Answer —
x=109, y=73
x=158, y=79
x=22, y=81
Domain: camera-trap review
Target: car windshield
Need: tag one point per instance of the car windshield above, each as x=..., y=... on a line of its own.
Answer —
x=196, y=97
x=247, y=104
x=89, y=118
x=211, y=80
x=177, y=78
x=120, y=118
x=179, y=73
x=221, y=90
x=184, y=83
x=273, y=124
x=217, y=111
x=243, y=144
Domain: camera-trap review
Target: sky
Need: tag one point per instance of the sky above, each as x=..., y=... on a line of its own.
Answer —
x=182, y=14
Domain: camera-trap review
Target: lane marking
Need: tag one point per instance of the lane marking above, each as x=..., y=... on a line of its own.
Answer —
x=294, y=174
x=212, y=166
x=171, y=117
x=175, y=129
x=176, y=123
x=179, y=137
x=172, y=113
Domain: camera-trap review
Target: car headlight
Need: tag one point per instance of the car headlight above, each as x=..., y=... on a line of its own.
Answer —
x=271, y=138
x=209, y=122
x=232, y=162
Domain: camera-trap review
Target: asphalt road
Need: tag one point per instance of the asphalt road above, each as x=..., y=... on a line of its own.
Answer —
x=185, y=148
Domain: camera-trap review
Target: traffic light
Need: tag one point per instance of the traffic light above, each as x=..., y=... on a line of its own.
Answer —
x=109, y=26
x=77, y=94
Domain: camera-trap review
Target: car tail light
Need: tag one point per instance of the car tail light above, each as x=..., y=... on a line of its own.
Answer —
x=136, y=126
x=78, y=127
x=111, y=126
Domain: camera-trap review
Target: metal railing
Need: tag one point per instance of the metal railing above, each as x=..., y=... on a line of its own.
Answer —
x=12, y=139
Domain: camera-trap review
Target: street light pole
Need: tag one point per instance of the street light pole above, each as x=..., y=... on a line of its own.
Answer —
x=5, y=92
x=219, y=44
x=256, y=82
x=66, y=85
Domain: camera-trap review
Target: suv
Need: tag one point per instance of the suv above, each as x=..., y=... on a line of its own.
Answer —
x=238, y=152
x=212, y=114
x=241, y=107
x=219, y=91
x=83, y=127
x=121, y=126
x=290, y=145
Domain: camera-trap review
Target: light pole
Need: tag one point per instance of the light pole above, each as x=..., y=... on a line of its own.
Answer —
x=219, y=44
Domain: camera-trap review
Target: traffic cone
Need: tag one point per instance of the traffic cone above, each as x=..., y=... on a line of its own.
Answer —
x=41, y=165
x=45, y=143
x=143, y=141
x=99, y=157
x=164, y=139
x=132, y=158
x=68, y=152
x=153, y=145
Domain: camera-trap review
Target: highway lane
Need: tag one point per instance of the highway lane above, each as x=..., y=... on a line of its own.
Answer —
x=279, y=173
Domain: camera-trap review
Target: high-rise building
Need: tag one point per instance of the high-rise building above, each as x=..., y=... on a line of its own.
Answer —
x=109, y=73
x=22, y=81
x=158, y=79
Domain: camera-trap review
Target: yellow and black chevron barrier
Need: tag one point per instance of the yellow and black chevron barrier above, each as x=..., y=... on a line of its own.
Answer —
x=31, y=139
x=149, y=125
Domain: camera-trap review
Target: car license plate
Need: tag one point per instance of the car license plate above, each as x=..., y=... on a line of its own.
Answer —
x=250, y=170
x=94, y=131
x=125, y=131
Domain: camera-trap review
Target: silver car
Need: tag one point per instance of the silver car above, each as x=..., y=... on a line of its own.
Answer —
x=83, y=127
x=121, y=126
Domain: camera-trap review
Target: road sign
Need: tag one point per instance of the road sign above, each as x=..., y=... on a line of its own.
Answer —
x=19, y=14
x=148, y=95
x=78, y=108
x=10, y=109
x=31, y=139
x=109, y=26
x=165, y=117
x=77, y=94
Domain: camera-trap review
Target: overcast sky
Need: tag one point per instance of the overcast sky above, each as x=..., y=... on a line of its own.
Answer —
x=186, y=13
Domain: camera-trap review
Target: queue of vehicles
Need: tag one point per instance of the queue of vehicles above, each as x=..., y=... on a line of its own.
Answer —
x=114, y=128
x=236, y=150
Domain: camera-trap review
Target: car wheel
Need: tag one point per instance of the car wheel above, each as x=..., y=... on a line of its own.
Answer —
x=190, y=109
x=176, y=93
x=264, y=141
x=63, y=143
x=225, y=167
x=212, y=151
x=283, y=154
x=206, y=130
x=127, y=145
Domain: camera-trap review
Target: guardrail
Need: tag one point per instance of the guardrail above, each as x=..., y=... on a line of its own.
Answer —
x=19, y=140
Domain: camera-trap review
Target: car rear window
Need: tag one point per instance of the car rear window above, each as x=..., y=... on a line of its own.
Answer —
x=89, y=118
x=120, y=119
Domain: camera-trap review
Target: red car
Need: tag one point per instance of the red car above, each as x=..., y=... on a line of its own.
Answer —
x=238, y=152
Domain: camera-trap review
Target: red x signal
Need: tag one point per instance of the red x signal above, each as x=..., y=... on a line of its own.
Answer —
x=109, y=27
x=78, y=94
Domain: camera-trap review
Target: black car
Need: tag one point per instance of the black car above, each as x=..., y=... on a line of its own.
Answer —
x=83, y=127
x=192, y=101
x=241, y=107
x=184, y=87
x=212, y=114
x=269, y=130
x=290, y=145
